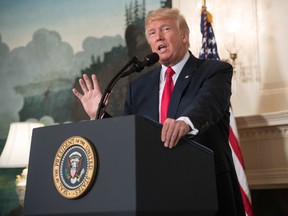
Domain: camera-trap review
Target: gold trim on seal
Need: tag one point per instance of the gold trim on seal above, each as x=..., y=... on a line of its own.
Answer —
x=72, y=176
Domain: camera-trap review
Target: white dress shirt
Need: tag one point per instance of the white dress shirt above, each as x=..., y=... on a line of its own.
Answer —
x=177, y=69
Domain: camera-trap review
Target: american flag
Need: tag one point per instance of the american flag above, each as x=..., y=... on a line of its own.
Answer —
x=209, y=46
x=209, y=51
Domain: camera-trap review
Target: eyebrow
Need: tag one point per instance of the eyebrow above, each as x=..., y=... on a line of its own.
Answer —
x=162, y=26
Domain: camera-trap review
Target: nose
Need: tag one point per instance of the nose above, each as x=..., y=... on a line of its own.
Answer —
x=159, y=36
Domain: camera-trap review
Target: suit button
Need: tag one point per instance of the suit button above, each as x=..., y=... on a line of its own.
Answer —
x=205, y=125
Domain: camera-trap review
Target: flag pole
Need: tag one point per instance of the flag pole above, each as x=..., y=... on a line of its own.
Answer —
x=204, y=3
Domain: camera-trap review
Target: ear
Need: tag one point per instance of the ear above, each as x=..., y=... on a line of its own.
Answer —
x=185, y=37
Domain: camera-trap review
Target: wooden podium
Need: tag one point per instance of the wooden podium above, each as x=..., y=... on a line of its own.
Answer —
x=136, y=175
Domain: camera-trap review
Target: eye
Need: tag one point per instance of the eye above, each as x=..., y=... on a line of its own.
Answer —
x=151, y=33
x=165, y=28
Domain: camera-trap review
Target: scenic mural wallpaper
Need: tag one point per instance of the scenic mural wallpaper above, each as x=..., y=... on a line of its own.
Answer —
x=45, y=46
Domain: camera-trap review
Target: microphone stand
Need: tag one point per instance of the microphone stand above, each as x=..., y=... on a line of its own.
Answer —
x=112, y=83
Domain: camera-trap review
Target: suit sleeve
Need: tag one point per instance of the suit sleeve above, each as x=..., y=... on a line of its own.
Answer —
x=212, y=99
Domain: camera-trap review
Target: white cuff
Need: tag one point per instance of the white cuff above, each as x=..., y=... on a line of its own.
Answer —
x=193, y=131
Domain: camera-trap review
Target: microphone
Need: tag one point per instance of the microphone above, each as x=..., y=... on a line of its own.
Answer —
x=152, y=59
x=149, y=60
x=138, y=65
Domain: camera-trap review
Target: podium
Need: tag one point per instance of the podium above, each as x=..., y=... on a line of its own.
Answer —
x=136, y=175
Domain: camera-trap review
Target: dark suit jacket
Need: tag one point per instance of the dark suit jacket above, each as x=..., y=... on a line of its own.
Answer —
x=202, y=93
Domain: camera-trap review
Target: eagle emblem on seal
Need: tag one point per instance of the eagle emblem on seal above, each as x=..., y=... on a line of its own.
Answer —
x=75, y=167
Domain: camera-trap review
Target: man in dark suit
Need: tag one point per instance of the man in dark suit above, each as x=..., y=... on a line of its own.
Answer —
x=199, y=104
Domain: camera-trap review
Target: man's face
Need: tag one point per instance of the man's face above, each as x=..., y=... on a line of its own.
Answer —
x=166, y=39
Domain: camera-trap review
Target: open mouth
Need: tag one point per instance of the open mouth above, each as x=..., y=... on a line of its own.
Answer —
x=162, y=48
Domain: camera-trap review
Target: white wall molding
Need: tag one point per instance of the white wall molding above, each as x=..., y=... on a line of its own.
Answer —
x=264, y=145
x=267, y=178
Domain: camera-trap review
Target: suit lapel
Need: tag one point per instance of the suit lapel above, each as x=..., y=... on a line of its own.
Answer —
x=152, y=90
x=183, y=80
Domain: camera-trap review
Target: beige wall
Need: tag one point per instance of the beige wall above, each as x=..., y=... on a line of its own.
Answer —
x=262, y=37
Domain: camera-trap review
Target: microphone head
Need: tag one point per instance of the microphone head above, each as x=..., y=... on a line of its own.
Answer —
x=151, y=59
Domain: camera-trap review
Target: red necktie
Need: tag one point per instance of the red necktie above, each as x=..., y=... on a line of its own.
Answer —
x=167, y=92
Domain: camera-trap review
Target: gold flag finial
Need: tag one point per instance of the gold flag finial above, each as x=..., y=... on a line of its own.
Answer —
x=204, y=3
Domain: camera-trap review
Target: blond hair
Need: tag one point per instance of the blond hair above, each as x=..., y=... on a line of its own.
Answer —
x=169, y=13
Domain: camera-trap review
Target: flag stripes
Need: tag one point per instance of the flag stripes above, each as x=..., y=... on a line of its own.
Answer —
x=233, y=141
x=239, y=165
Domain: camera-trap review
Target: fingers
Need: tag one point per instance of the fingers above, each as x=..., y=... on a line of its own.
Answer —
x=173, y=131
x=166, y=133
x=86, y=84
x=76, y=93
x=95, y=83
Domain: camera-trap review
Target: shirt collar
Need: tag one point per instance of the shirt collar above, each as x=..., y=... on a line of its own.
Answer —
x=177, y=68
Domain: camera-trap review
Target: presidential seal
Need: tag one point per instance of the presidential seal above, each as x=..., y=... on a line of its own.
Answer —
x=74, y=167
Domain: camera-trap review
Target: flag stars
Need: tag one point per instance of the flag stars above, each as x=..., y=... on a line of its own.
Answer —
x=212, y=41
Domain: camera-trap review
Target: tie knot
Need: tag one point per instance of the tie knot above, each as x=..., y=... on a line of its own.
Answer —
x=170, y=72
